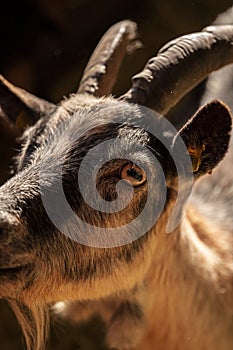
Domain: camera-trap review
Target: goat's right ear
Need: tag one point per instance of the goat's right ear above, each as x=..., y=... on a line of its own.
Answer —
x=206, y=136
x=20, y=108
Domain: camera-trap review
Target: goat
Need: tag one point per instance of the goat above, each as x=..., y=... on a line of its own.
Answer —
x=160, y=291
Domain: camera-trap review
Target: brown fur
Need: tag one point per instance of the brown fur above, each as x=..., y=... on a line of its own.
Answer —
x=192, y=291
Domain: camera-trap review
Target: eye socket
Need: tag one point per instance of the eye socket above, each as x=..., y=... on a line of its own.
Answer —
x=133, y=174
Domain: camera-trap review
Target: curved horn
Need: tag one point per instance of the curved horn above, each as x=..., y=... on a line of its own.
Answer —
x=102, y=69
x=179, y=66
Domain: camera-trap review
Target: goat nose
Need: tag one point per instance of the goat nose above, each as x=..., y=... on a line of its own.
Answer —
x=8, y=225
x=4, y=232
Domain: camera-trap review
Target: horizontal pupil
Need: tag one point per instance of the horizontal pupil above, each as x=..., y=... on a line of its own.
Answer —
x=133, y=173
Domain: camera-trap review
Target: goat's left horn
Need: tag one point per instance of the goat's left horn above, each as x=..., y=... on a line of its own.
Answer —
x=179, y=66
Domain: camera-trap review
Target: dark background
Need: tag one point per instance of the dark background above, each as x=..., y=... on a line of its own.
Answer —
x=45, y=45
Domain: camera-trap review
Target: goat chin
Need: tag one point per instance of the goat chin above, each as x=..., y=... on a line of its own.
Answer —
x=34, y=322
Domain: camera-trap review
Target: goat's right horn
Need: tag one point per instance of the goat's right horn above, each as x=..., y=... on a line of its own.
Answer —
x=179, y=66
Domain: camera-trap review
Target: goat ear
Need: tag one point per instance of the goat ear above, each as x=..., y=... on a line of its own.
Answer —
x=207, y=136
x=19, y=107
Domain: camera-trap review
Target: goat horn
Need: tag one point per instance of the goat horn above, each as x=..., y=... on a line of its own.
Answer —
x=179, y=66
x=102, y=69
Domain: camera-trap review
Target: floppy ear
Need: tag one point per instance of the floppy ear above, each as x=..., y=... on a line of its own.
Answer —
x=207, y=136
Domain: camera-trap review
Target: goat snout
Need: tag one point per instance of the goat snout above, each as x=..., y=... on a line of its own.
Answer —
x=15, y=252
x=9, y=226
x=4, y=232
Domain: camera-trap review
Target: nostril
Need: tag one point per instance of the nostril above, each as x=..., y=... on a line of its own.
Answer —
x=9, y=227
x=4, y=232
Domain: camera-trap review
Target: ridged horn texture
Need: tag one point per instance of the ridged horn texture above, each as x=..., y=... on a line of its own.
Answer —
x=102, y=69
x=179, y=66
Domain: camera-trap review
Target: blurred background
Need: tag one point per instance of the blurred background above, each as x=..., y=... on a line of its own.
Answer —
x=45, y=45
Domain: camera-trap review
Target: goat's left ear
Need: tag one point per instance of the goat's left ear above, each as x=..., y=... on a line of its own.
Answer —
x=207, y=136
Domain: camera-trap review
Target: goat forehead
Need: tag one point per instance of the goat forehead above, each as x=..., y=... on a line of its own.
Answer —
x=91, y=124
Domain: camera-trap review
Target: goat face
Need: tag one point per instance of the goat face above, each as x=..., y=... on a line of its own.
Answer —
x=36, y=254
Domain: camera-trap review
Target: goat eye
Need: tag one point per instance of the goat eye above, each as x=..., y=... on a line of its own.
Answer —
x=133, y=174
